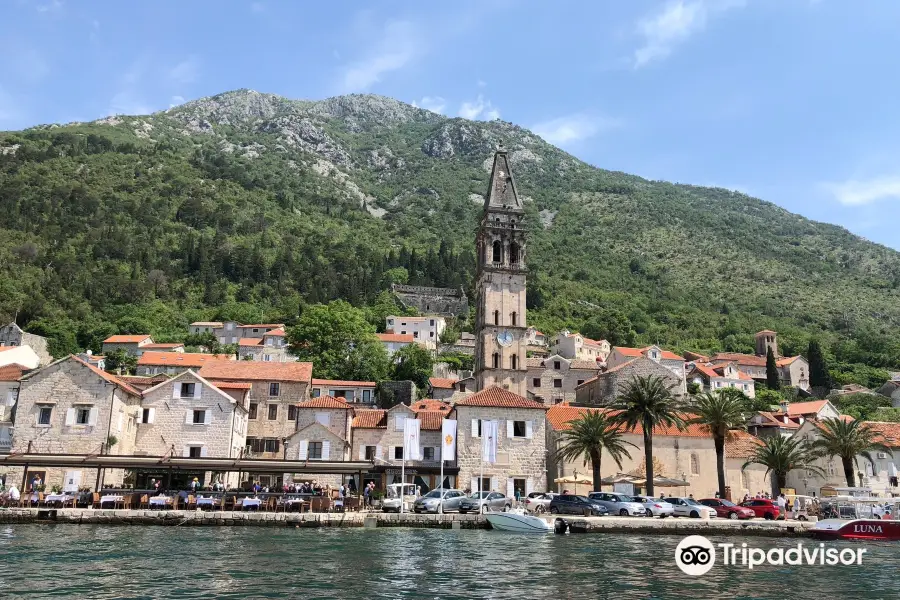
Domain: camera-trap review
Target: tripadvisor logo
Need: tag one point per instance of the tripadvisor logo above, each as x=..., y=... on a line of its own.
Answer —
x=695, y=555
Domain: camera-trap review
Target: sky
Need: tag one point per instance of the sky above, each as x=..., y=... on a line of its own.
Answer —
x=791, y=101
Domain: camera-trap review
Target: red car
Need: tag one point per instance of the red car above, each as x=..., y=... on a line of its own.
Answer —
x=761, y=507
x=727, y=509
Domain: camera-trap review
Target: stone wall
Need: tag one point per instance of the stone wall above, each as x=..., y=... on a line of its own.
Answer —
x=447, y=302
x=281, y=427
x=339, y=419
x=604, y=390
x=548, y=375
x=391, y=393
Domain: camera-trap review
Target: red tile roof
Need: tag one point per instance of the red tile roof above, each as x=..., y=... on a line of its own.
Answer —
x=162, y=346
x=275, y=333
x=500, y=398
x=251, y=370
x=430, y=420
x=342, y=383
x=749, y=360
x=141, y=380
x=181, y=359
x=325, y=402
x=5, y=348
x=783, y=362
x=708, y=372
x=741, y=444
x=231, y=385
x=640, y=352
x=442, y=383
x=431, y=405
x=250, y=342
x=559, y=416
x=887, y=433
x=370, y=419
x=110, y=378
x=12, y=372
x=395, y=337
x=126, y=339
x=805, y=408
x=779, y=420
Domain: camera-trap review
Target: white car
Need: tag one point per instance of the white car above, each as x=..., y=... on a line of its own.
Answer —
x=656, y=507
x=619, y=504
x=688, y=507
x=539, y=503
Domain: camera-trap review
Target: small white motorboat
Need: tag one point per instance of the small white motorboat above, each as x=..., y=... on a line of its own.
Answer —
x=519, y=521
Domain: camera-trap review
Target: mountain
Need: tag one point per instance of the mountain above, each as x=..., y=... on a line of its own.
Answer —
x=248, y=206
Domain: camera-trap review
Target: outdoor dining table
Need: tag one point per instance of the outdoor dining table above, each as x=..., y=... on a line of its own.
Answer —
x=58, y=498
x=250, y=502
x=159, y=501
x=289, y=503
x=207, y=502
x=108, y=499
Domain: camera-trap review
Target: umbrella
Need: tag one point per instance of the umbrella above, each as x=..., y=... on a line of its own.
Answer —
x=574, y=479
x=620, y=478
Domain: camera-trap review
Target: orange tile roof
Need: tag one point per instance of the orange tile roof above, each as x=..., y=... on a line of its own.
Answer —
x=749, y=360
x=590, y=342
x=395, y=337
x=583, y=364
x=110, y=378
x=325, y=402
x=250, y=342
x=560, y=415
x=370, y=419
x=252, y=370
x=181, y=359
x=141, y=380
x=231, y=385
x=805, y=408
x=431, y=405
x=442, y=383
x=500, y=398
x=783, y=362
x=741, y=444
x=888, y=433
x=342, y=383
x=275, y=333
x=5, y=348
x=705, y=370
x=779, y=420
x=126, y=339
x=430, y=420
x=162, y=346
x=11, y=372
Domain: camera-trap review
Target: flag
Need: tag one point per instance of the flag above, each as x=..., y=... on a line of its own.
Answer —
x=448, y=437
x=489, y=441
x=411, y=439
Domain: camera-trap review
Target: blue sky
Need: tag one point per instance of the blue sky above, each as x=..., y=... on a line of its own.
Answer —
x=792, y=101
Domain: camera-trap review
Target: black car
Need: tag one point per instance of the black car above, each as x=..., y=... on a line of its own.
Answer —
x=570, y=504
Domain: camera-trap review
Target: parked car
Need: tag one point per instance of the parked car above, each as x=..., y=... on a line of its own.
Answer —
x=539, y=502
x=763, y=508
x=688, y=507
x=570, y=504
x=392, y=501
x=619, y=504
x=727, y=509
x=431, y=501
x=655, y=507
x=484, y=501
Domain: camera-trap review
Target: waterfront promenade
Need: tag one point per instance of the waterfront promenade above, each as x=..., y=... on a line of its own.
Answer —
x=638, y=525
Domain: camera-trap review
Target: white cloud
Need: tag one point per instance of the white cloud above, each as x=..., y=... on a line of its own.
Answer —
x=479, y=109
x=186, y=71
x=678, y=21
x=573, y=128
x=397, y=45
x=433, y=103
x=856, y=192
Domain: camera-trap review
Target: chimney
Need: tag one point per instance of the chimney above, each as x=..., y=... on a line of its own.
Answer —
x=784, y=407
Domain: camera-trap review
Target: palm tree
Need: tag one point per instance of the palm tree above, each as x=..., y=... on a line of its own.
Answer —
x=847, y=440
x=648, y=402
x=719, y=413
x=781, y=455
x=588, y=436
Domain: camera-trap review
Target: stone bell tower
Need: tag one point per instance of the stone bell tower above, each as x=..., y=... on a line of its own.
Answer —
x=500, y=285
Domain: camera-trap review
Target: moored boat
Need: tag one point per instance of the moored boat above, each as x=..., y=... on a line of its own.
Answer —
x=518, y=521
x=856, y=529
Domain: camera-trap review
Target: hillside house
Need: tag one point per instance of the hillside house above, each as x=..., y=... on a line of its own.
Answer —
x=353, y=392
x=24, y=356
x=394, y=342
x=426, y=331
x=575, y=346
x=172, y=363
x=12, y=335
x=271, y=347
x=712, y=377
x=604, y=389
x=670, y=360
x=553, y=379
x=793, y=370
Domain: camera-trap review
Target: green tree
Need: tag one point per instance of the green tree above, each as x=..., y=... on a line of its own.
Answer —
x=861, y=406
x=413, y=363
x=588, y=436
x=612, y=325
x=339, y=342
x=719, y=413
x=648, y=402
x=819, y=377
x=120, y=362
x=773, y=379
x=848, y=440
x=206, y=341
x=781, y=455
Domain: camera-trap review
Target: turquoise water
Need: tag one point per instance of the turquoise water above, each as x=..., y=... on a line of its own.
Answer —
x=44, y=561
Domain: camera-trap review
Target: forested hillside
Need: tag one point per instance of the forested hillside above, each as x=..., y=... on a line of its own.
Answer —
x=250, y=206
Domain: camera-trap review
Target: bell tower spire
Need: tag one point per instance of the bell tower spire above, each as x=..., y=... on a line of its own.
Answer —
x=500, y=284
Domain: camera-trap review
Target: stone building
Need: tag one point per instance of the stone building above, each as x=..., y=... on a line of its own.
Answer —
x=229, y=332
x=188, y=416
x=576, y=346
x=793, y=370
x=70, y=407
x=23, y=356
x=271, y=347
x=132, y=344
x=553, y=379
x=394, y=342
x=277, y=389
x=9, y=394
x=521, y=445
x=322, y=434
x=446, y=302
x=426, y=331
x=787, y=418
x=12, y=335
x=670, y=360
x=605, y=388
x=441, y=388
x=354, y=392
x=172, y=363
x=712, y=377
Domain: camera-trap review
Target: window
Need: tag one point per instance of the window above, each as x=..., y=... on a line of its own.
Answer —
x=497, y=252
x=536, y=382
x=415, y=334
x=274, y=389
x=187, y=390
x=398, y=452
x=432, y=322
x=399, y=421
x=519, y=429
x=496, y=317
x=145, y=416
x=514, y=253
x=316, y=392
x=82, y=415
x=514, y=361
x=367, y=395
x=556, y=365
x=370, y=452
x=462, y=387
x=44, y=415
x=314, y=450
x=557, y=383
x=195, y=451
x=292, y=413
x=253, y=408
x=430, y=334
x=512, y=318
x=199, y=417
x=267, y=358
x=428, y=453
x=580, y=381
x=272, y=445
x=273, y=412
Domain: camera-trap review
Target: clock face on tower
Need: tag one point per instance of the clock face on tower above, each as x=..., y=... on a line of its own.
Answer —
x=504, y=338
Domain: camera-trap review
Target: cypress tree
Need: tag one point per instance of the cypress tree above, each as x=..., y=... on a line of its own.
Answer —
x=819, y=378
x=773, y=380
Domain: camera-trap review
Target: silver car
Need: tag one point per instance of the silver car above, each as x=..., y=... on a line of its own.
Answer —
x=655, y=507
x=618, y=504
x=484, y=501
x=430, y=502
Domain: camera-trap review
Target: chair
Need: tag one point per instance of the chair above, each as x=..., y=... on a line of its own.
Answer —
x=228, y=502
x=271, y=504
x=351, y=504
x=191, y=503
x=95, y=502
x=145, y=501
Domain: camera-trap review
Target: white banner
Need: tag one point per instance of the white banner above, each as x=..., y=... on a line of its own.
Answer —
x=489, y=441
x=411, y=439
x=448, y=439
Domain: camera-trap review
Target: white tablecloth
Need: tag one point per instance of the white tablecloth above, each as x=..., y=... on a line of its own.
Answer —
x=105, y=499
x=248, y=502
x=58, y=498
x=207, y=501
x=159, y=500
